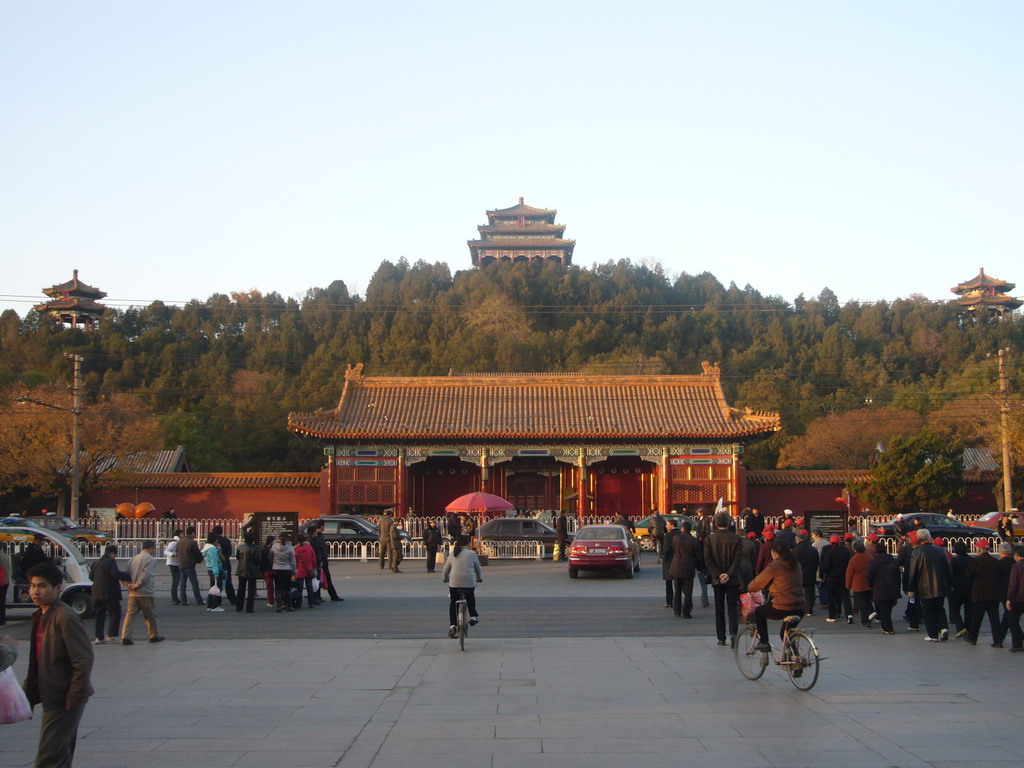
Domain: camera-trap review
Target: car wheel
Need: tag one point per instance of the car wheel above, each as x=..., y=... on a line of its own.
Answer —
x=574, y=573
x=646, y=543
x=636, y=565
x=628, y=573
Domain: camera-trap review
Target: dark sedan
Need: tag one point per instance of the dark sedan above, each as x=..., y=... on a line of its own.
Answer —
x=348, y=528
x=604, y=548
x=519, y=529
x=937, y=525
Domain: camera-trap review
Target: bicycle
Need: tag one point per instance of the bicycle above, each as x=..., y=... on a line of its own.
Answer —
x=462, y=619
x=798, y=654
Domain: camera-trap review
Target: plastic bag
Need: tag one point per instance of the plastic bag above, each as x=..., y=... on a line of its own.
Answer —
x=749, y=601
x=214, y=591
x=316, y=584
x=14, y=706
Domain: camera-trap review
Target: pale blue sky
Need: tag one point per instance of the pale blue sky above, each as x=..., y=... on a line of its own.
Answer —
x=173, y=150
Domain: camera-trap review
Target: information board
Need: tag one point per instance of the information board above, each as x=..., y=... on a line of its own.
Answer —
x=265, y=524
x=828, y=521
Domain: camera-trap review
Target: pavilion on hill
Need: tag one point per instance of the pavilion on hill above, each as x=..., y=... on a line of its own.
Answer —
x=986, y=293
x=521, y=233
x=73, y=303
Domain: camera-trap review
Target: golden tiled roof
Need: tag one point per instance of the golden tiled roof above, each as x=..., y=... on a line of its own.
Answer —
x=533, y=406
x=807, y=476
x=75, y=286
x=522, y=209
x=983, y=281
x=215, y=480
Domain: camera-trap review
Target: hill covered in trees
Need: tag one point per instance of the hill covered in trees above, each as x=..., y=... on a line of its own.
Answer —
x=220, y=375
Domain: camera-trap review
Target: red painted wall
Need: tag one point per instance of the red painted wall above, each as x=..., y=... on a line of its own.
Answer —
x=216, y=503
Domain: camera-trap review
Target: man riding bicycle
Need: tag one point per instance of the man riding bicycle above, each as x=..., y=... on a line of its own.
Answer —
x=783, y=579
x=462, y=573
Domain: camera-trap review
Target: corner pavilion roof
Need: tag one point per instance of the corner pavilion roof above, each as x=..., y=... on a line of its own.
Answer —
x=75, y=287
x=983, y=281
x=533, y=406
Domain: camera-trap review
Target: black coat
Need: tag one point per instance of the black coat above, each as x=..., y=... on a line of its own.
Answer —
x=930, y=574
x=685, y=560
x=432, y=537
x=667, y=553
x=722, y=554
x=106, y=579
x=884, y=577
x=983, y=572
x=834, y=559
x=1005, y=566
x=754, y=523
x=960, y=587
x=809, y=561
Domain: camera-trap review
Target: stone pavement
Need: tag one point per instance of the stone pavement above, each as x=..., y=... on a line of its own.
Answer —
x=526, y=703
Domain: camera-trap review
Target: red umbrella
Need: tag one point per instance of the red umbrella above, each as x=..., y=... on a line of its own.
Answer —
x=479, y=502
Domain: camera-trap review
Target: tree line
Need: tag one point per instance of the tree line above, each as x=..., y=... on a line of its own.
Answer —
x=220, y=375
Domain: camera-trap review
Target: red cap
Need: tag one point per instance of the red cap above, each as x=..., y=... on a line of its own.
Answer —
x=787, y=523
x=849, y=536
x=769, y=534
x=939, y=541
x=751, y=535
x=769, y=527
x=912, y=537
x=982, y=543
x=873, y=538
x=834, y=539
x=800, y=521
x=804, y=532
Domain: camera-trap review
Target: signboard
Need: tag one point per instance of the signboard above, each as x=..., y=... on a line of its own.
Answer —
x=265, y=524
x=828, y=521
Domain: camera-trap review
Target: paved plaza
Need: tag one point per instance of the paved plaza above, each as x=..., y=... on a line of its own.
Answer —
x=604, y=696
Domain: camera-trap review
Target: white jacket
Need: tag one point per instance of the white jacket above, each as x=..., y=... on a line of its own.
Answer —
x=462, y=571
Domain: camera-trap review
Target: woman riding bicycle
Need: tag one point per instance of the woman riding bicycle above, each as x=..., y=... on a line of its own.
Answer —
x=782, y=578
x=462, y=574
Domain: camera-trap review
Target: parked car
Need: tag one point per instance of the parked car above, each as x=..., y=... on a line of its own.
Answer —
x=348, y=528
x=77, y=588
x=604, y=548
x=520, y=529
x=990, y=522
x=643, y=534
x=937, y=525
x=63, y=525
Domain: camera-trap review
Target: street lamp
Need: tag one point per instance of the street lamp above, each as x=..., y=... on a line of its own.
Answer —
x=76, y=411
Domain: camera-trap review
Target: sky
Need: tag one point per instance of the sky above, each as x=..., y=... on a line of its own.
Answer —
x=174, y=150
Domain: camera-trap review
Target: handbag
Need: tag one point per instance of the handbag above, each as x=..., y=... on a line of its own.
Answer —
x=749, y=601
x=14, y=706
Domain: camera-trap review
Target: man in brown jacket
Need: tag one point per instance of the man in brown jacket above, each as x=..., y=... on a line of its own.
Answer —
x=59, y=666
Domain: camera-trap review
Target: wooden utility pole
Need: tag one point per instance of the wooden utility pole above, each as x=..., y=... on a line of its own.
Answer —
x=76, y=438
x=1004, y=423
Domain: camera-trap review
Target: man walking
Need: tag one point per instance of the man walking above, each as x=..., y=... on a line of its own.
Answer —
x=189, y=557
x=561, y=535
x=807, y=556
x=666, y=563
x=722, y=553
x=141, y=594
x=59, y=668
x=106, y=593
x=657, y=530
x=683, y=566
x=323, y=558
x=983, y=575
x=930, y=576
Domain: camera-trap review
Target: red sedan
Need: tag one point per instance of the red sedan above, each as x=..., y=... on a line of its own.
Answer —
x=604, y=548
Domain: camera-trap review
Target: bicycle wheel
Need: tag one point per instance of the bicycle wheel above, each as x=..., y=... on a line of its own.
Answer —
x=801, y=661
x=463, y=621
x=751, y=662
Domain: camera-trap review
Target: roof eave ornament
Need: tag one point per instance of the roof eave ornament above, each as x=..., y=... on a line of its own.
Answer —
x=711, y=369
x=354, y=372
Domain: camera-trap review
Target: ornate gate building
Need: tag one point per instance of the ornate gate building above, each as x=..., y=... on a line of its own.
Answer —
x=593, y=445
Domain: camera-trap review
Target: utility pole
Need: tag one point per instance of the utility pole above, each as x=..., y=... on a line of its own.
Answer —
x=1004, y=423
x=76, y=413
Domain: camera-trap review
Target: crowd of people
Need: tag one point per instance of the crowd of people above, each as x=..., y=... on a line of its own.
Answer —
x=855, y=579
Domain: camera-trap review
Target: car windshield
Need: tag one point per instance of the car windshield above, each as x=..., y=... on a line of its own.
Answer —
x=588, y=533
